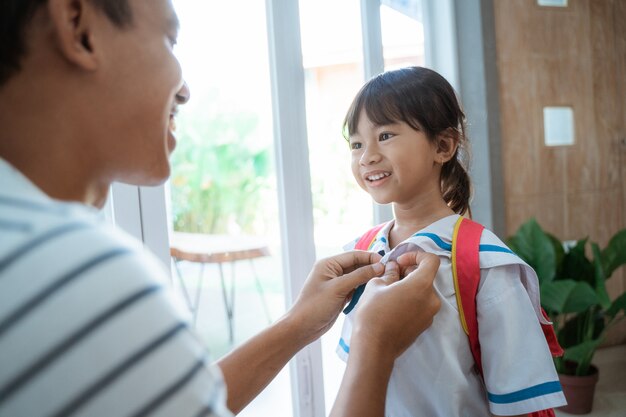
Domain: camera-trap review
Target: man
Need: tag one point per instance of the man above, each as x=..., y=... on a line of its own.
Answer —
x=88, y=93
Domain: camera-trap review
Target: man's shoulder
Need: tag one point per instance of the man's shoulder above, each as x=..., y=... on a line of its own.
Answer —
x=26, y=222
x=61, y=237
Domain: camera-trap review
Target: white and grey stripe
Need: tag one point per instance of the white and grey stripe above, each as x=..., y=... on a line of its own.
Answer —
x=116, y=372
x=85, y=329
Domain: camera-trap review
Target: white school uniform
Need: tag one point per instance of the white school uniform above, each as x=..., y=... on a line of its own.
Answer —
x=436, y=375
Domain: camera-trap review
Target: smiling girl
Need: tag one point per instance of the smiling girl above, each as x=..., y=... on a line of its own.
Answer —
x=406, y=131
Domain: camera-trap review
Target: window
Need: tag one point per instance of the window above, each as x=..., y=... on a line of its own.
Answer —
x=222, y=190
x=333, y=61
x=229, y=71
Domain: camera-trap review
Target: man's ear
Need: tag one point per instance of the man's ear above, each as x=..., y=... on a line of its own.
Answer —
x=447, y=143
x=73, y=22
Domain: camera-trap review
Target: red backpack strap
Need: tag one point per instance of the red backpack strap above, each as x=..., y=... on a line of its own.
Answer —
x=466, y=275
x=548, y=331
x=364, y=243
x=543, y=413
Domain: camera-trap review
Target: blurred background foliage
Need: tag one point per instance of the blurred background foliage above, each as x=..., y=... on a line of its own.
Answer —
x=220, y=170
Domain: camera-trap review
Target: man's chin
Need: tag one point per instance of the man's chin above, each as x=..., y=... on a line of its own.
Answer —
x=153, y=178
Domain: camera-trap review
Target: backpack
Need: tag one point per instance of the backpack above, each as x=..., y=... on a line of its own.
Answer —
x=466, y=275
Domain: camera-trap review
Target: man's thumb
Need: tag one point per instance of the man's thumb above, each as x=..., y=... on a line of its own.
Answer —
x=392, y=273
x=360, y=276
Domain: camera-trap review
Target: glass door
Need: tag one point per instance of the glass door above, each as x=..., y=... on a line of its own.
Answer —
x=333, y=60
x=222, y=198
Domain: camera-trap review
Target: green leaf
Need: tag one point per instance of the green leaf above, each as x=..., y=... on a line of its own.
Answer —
x=581, y=354
x=576, y=266
x=614, y=255
x=558, y=251
x=554, y=294
x=261, y=163
x=618, y=304
x=581, y=298
x=567, y=296
x=603, y=296
x=534, y=246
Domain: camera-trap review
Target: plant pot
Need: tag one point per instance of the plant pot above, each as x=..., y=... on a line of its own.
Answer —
x=579, y=391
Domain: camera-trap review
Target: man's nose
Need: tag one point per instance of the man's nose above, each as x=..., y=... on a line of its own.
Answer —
x=183, y=95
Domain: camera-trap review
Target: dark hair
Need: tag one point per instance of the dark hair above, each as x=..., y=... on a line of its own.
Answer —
x=15, y=15
x=425, y=101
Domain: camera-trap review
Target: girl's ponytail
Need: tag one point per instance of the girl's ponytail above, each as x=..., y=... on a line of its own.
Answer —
x=456, y=186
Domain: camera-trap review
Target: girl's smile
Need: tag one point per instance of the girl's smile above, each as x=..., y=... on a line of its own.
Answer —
x=376, y=178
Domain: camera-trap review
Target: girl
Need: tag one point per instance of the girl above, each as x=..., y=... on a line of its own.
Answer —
x=406, y=132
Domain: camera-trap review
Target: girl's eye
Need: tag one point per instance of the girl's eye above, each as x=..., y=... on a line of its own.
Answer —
x=355, y=145
x=385, y=136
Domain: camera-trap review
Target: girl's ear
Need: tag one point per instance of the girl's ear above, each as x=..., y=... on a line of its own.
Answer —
x=447, y=143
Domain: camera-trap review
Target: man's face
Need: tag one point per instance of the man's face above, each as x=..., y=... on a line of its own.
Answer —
x=140, y=81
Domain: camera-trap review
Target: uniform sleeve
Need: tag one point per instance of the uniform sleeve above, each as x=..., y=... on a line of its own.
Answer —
x=518, y=368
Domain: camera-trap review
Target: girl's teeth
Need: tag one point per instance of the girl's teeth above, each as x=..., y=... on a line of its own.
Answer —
x=377, y=177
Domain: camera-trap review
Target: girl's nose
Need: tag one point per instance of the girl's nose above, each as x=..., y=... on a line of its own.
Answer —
x=370, y=156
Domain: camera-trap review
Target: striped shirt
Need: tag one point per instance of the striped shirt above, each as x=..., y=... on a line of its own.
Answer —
x=88, y=326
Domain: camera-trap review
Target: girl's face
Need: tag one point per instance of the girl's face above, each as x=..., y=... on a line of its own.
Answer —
x=395, y=163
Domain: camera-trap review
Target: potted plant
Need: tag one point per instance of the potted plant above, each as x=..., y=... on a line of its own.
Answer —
x=572, y=278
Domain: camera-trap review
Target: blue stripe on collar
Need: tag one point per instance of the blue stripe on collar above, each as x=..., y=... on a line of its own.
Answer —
x=443, y=245
x=448, y=246
x=344, y=345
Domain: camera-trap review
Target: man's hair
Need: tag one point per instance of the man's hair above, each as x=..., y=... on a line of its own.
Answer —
x=15, y=15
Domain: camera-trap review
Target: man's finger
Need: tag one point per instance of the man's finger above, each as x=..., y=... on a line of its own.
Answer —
x=359, y=276
x=352, y=260
x=412, y=258
x=427, y=266
x=392, y=273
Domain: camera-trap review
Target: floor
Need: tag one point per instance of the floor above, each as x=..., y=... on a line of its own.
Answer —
x=610, y=397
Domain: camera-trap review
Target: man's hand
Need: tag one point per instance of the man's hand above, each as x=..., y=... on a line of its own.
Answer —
x=390, y=315
x=250, y=367
x=392, y=312
x=328, y=287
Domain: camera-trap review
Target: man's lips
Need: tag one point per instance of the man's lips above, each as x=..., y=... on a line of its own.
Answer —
x=172, y=123
x=171, y=129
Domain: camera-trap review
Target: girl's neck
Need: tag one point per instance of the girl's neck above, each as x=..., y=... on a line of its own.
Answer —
x=410, y=219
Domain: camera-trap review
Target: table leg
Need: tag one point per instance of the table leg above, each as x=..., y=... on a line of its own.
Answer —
x=196, y=306
x=227, y=305
x=183, y=286
x=260, y=288
x=232, y=292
